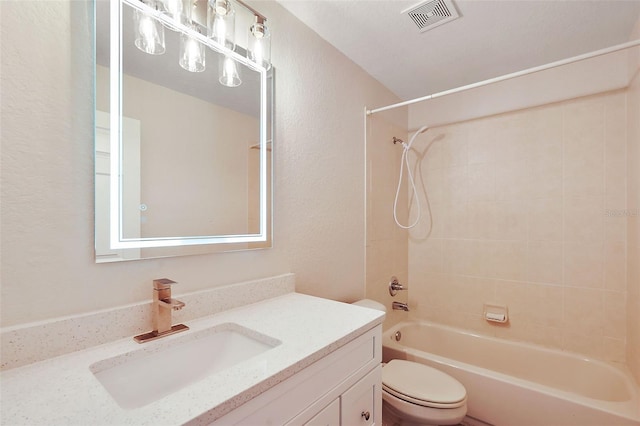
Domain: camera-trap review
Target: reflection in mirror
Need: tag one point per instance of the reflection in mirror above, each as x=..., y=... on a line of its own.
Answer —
x=189, y=170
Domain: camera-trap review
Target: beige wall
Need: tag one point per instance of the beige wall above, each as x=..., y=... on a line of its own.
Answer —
x=47, y=171
x=633, y=207
x=519, y=203
x=555, y=238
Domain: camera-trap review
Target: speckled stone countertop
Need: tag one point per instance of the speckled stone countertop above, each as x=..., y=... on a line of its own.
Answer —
x=64, y=391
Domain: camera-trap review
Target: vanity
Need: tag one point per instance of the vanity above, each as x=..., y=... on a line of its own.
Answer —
x=319, y=364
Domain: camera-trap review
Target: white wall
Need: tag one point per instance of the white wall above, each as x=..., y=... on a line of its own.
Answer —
x=47, y=261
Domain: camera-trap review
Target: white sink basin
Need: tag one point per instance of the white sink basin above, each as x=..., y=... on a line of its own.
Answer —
x=142, y=376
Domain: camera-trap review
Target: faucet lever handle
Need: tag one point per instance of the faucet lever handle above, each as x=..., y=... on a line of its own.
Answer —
x=395, y=286
x=163, y=284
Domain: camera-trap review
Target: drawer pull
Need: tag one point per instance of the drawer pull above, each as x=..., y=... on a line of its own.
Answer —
x=366, y=415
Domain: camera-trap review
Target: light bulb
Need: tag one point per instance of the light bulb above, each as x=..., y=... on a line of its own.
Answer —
x=179, y=11
x=174, y=8
x=149, y=34
x=257, y=52
x=259, y=44
x=229, y=73
x=221, y=27
x=192, y=54
x=219, y=30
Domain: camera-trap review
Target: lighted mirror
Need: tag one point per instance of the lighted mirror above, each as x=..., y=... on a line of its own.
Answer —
x=182, y=140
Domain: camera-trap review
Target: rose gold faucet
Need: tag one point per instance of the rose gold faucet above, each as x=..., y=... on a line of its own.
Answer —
x=163, y=305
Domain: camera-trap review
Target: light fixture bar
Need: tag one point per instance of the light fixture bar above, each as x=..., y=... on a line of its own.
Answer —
x=260, y=16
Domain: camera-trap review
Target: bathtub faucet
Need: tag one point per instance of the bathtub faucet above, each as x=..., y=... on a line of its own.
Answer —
x=399, y=306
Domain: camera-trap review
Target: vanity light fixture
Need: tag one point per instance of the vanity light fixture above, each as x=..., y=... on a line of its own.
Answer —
x=220, y=28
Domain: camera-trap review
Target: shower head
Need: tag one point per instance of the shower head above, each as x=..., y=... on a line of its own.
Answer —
x=422, y=129
x=415, y=135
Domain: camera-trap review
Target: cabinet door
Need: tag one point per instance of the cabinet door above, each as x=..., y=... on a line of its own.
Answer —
x=329, y=416
x=362, y=403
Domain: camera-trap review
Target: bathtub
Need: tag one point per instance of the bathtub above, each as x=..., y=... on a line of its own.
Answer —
x=519, y=384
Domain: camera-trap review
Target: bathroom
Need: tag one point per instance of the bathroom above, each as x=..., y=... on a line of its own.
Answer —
x=573, y=286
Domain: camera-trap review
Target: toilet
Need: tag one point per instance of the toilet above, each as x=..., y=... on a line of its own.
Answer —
x=414, y=394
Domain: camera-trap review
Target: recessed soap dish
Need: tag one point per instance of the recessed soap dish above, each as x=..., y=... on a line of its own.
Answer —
x=496, y=313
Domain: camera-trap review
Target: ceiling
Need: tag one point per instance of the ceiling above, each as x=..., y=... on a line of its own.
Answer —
x=491, y=38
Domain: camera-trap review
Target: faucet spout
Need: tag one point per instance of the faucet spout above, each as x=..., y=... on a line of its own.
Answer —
x=170, y=303
x=399, y=306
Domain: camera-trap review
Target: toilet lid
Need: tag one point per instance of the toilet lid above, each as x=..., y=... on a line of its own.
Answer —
x=422, y=385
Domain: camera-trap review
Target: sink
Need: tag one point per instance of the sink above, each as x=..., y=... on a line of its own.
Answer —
x=140, y=377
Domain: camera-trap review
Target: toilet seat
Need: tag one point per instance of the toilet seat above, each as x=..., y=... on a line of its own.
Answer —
x=422, y=385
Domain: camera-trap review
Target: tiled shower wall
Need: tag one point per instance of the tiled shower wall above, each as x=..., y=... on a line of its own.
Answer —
x=524, y=209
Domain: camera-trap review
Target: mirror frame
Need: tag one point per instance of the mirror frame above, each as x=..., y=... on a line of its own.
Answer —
x=116, y=237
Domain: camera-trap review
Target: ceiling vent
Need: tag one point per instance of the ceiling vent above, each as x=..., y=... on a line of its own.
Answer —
x=428, y=15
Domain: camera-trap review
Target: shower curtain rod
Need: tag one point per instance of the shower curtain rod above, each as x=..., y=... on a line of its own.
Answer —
x=512, y=75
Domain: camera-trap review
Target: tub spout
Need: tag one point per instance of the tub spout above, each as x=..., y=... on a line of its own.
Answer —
x=399, y=306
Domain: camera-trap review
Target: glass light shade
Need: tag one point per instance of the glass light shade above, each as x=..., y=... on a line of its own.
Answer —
x=221, y=27
x=192, y=54
x=259, y=45
x=229, y=72
x=149, y=33
x=220, y=7
x=179, y=10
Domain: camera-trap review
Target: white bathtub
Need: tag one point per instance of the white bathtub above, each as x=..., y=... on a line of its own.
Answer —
x=519, y=384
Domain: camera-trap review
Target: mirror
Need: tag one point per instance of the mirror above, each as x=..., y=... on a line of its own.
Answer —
x=182, y=162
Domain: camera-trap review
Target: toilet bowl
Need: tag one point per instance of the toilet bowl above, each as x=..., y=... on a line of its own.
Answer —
x=416, y=394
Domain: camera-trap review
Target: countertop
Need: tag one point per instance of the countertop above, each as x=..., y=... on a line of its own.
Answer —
x=63, y=390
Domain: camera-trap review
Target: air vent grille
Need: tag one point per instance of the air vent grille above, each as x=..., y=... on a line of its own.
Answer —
x=430, y=14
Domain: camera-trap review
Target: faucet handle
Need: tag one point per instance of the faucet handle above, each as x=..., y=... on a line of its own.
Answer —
x=163, y=284
x=395, y=286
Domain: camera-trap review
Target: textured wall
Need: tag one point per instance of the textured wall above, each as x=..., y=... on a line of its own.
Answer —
x=48, y=267
x=633, y=207
x=519, y=207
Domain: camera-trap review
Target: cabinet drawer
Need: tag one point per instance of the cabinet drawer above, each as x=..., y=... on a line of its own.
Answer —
x=362, y=402
x=329, y=416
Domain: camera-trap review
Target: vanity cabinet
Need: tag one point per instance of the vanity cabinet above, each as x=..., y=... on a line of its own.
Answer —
x=343, y=388
x=357, y=406
x=330, y=415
